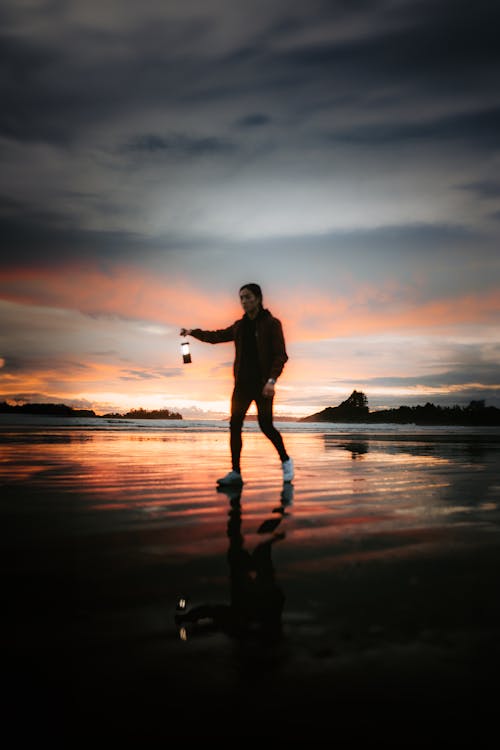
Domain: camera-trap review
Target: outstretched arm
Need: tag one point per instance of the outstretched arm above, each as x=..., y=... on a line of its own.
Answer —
x=210, y=337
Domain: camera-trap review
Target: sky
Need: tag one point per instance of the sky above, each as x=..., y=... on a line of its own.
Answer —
x=156, y=156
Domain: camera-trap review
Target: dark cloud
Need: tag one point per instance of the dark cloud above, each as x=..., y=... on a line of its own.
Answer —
x=35, y=236
x=15, y=365
x=253, y=120
x=24, y=62
x=437, y=42
x=58, y=84
x=151, y=374
x=56, y=88
x=395, y=239
x=480, y=375
x=483, y=188
x=481, y=128
x=475, y=368
x=42, y=238
x=462, y=398
x=180, y=145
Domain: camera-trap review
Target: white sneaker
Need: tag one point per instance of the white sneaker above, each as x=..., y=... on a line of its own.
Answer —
x=231, y=478
x=287, y=470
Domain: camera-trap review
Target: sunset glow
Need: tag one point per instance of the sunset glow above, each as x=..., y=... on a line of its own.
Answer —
x=309, y=152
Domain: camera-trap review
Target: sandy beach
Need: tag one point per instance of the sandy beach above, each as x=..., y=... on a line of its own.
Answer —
x=367, y=591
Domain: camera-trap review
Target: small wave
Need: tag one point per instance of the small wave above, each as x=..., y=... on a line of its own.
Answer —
x=33, y=421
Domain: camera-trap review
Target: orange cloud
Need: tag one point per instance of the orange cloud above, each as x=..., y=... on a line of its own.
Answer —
x=126, y=291
x=308, y=314
x=316, y=316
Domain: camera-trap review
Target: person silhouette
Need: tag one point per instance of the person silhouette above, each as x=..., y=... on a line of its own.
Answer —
x=260, y=357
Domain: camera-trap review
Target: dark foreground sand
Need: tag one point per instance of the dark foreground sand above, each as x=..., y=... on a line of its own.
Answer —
x=361, y=602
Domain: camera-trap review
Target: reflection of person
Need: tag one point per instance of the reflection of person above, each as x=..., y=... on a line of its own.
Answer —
x=256, y=602
x=256, y=599
x=260, y=356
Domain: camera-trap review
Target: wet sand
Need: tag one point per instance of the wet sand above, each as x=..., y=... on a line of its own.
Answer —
x=364, y=595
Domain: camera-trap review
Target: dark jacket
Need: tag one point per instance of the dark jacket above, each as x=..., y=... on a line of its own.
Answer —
x=270, y=343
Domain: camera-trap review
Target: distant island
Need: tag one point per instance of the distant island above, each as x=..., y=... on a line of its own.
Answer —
x=355, y=409
x=62, y=410
x=144, y=414
x=54, y=410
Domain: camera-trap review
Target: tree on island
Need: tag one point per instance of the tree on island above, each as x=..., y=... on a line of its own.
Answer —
x=474, y=414
x=357, y=400
x=355, y=409
x=143, y=414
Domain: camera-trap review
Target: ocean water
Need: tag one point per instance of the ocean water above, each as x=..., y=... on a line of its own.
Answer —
x=141, y=473
x=33, y=421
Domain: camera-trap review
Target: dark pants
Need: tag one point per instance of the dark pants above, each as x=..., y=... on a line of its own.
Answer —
x=243, y=395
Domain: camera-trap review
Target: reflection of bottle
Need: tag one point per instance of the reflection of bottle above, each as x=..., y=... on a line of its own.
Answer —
x=186, y=355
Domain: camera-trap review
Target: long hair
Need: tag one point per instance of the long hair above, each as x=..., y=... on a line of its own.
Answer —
x=256, y=290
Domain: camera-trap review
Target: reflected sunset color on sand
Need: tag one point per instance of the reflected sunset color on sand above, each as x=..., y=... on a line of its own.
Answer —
x=136, y=580
x=343, y=487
